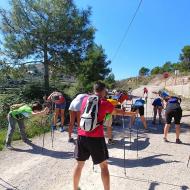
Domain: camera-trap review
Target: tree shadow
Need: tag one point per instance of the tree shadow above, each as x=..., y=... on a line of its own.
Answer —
x=153, y=185
x=149, y=161
x=142, y=143
x=50, y=153
x=6, y=185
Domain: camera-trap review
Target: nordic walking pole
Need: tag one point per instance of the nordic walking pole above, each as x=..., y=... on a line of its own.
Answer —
x=52, y=137
x=124, y=158
x=146, y=106
x=43, y=141
x=137, y=138
x=188, y=162
x=130, y=131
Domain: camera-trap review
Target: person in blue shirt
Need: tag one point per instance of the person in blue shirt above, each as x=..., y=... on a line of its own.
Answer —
x=157, y=108
x=138, y=107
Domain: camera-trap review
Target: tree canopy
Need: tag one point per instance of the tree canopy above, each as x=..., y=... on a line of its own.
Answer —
x=55, y=33
x=144, y=71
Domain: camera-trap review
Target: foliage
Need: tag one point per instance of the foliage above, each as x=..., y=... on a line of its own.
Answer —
x=110, y=81
x=144, y=71
x=55, y=33
x=183, y=65
x=93, y=68
x=34, y=127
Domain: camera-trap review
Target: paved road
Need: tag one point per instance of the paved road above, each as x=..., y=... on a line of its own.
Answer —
x=159, y=165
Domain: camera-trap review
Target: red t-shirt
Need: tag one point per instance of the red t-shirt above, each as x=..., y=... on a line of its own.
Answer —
x=57, y=98
x=105, y=107
x=145, y=90
x=123, y=98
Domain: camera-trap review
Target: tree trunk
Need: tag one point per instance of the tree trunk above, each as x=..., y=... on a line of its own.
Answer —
x=46, y=70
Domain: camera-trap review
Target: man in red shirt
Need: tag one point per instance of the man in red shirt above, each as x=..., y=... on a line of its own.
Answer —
x=93, y=143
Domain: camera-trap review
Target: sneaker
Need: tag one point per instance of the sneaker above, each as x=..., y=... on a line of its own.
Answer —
x=9, y=147
x=27, y=140
x=146, y=130
x=111, y=142
x=53, y=128
x=61, y=129
x=178, y=141
x=165, y=140
x=71, y=140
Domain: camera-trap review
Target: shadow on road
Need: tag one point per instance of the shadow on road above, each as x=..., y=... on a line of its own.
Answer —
x=6, y=185
x=149, y=161
x=51, y=153
x=153, y=185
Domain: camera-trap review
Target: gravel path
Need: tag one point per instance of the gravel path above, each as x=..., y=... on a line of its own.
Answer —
x=159, y=165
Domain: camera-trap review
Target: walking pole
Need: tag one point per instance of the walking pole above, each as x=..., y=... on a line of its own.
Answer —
x=52, y=137
x=146, y=107
x=137, y=138
x=124, y=158
x=52, y=130
x=188, y=162
x=43, y=140
x=130, y=132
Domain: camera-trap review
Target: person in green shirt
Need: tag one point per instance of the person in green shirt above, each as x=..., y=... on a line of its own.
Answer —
x=17, y=114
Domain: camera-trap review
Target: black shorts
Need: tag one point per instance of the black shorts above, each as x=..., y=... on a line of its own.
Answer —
x=91, y=146
x=140, y=109
x=176, y=114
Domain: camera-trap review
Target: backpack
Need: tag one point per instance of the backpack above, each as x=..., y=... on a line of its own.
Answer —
x=89, y=117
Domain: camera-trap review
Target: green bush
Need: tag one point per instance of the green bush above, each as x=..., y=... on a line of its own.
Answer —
x=34, y=127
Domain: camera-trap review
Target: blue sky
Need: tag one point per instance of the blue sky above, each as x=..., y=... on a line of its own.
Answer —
x=157, y=35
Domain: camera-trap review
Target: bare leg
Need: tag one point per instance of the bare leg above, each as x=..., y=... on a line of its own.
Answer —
x=105, y=175
x=160, y=114
x=109, y=128
x=78, y=118
x=143, y=121
x=62, y=117
x=166, y=129
x=177, y=131
x=72, y=121
x=109, y=132
x=56, y=114
x=155, y=114
x=77, y=174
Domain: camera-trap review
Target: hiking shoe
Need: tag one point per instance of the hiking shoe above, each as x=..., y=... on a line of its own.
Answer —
x=9, y=147
x=27, y=140
x=178, y=141
x=61, y=129
x=53, y=128
x=165, y=140
x=71, y=140
x=146, y=130
x=111, y=142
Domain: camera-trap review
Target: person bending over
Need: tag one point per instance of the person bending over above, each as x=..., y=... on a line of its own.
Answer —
x=138, y=107
x=74, y=111
x=58, y=99
x=91, y=141
x=173, y=110
x=17, y=114
x=157, y=108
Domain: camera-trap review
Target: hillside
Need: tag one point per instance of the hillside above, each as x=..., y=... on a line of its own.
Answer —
x=178, y=85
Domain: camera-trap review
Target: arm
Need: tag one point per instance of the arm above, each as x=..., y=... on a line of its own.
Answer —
x=123, y=113
x=43, y=112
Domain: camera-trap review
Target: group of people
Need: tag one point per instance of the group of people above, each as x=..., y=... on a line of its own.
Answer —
x=92, y=112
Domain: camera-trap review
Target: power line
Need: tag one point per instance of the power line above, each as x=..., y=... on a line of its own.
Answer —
x=127, y=30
